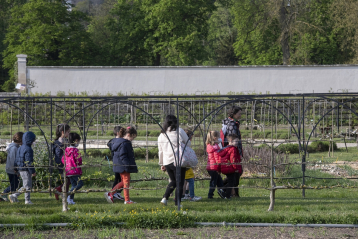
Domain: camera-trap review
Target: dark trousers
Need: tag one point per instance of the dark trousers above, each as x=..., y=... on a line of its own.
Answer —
x=215, y=181
x=237, y=181
x=230, y=184
x=76, y=183
x=117, y=179
x=171, y=169
x=14, y=183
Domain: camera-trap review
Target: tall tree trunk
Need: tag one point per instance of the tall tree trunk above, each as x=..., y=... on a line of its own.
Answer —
x=284, y=32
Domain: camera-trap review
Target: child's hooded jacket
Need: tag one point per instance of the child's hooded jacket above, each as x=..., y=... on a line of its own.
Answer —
x=73, y=160
x=213, y=158
x=229, y=158
x=25, y=155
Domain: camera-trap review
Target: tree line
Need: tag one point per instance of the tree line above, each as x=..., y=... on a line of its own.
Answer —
x=176, y=33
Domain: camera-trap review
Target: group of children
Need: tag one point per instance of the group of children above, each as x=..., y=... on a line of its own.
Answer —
x=225, y=160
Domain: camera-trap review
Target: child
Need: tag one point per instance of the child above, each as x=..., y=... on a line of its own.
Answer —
x=123, y=162
x=10, y=161
x=213, y=165
x=24, y=164
x=189, y=182
x=59, y=146
x=229, y=163
x=189, y=177
x=73, y=160
x=117, y=176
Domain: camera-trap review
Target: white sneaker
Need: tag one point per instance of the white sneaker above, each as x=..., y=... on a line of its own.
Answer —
x=129, y=202
x=28, y=202
x=70, y=201
x=118, y=196
x=12, y=198
x=186, y=197
x=195, y=198
x=164, y=202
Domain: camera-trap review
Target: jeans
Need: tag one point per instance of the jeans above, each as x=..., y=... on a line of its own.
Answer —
x=26, y=184
x=171, y=169
x=215, y=181
x=191, y=187
x=76, y=183
x=14, y=183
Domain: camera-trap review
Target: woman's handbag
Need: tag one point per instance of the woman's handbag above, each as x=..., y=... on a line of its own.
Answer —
x=187, y=157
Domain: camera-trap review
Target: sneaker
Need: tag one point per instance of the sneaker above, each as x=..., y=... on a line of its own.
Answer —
x=4, y=198
x=186, y=197
x=118, y=196
x=195, y=198
x=129, y=202
x=12, y=198
x=164, y=202
x=221, y=193
x=70, y=201
x=28, y=202
x=108, y=197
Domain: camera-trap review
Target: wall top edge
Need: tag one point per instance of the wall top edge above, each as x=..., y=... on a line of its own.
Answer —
x=193, y=67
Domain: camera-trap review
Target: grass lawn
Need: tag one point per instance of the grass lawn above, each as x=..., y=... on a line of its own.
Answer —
x=336, y=205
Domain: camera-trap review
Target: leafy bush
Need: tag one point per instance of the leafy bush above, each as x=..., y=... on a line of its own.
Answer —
x=291, y=148
x=142, y=133
x=5, y=133
x=154, y=133
x=107, y=153
x=321, y=146
x=94, y=153
x=153, y=153
x=109, y=133
x=3, y=156
x=139, y=153
x=91, y=133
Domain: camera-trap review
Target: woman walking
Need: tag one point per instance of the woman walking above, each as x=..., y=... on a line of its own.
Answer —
x=167, y=141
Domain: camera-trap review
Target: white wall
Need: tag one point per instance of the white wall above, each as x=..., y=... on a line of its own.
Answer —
x=194, y=80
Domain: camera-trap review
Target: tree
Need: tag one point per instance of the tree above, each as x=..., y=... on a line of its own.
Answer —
x=48, y=33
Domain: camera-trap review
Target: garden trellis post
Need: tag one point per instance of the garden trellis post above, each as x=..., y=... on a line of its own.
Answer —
x=273, y=185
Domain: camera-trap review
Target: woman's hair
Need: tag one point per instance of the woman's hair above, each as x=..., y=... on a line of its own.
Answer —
x=233, y=111
x=129, y=130
x=231, y=137
x=188, y=132
x=210, y=137
x=171, y=123
x=61, y=128
x=18, y=137
x=73, y=137
x=116, y=130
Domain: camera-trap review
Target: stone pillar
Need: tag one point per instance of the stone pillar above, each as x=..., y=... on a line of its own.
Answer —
x=21, y=71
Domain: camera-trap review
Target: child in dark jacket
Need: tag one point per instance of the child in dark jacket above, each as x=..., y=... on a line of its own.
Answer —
x=230, y=163
x=117, y=176
x=59, y=146
x=72, y=159
x=123, y=162
x=10, y=161
x=24, y=164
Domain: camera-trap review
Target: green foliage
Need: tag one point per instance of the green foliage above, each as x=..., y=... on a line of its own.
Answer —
x=48, y=33
x=94, y=153
x=322, y=146
x=288, y=148
x=3, y=156
x=5, y=133
x=154, y=133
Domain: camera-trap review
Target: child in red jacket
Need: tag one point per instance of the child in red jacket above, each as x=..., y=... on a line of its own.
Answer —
x=72, y=160
x=213, y=166
x=229, y=163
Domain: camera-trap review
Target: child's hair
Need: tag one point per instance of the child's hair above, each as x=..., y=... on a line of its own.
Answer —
x=18, y=137
x=231, y=137
x=188, y=132
x=116, y=130
x=233, y=111
x=129, y=130
x=210, y=137
x=73, y=137
x=61, y=128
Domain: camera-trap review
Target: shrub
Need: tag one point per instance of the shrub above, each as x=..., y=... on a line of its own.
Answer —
x=3, y=156
x=107, y=153
x=154, y=133
x=109, y=133
x=142, y=133
x=153, y=153
x=5, y=133
x=139, y=153
x=291, y=148
x=322, y=146
x=91, y=133
x=94, y=153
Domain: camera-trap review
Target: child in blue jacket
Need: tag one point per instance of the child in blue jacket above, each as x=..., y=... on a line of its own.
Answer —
x=24, y=165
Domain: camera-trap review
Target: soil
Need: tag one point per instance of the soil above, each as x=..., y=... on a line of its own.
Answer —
x=207, y=232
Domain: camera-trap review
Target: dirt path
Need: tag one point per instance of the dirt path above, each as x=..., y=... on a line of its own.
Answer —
x=209, y=232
